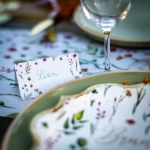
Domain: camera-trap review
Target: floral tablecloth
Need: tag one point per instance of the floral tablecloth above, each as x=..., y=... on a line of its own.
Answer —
x=18, y=46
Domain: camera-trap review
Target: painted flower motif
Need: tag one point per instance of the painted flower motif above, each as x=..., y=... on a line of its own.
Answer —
x=128, y=93
x=7, y=56
x=74, y=55
x=130, y=121
x=68, y=36
x=44, y=59
x=39, y=52
x=36, y=90
x=36, y=63
x=8, y=70
x=40, y=92
x=25, y=48
x=23, y=55
x=12, y=49
x=31, y=85
x=112, y=49
x=119, y=57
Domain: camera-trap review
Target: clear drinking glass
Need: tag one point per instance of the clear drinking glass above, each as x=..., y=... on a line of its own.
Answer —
x=106, y=14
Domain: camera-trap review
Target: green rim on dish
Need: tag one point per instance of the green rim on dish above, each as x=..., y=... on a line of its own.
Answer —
x=18, y=136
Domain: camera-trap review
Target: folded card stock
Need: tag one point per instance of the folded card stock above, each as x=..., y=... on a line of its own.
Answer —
x=38, y=76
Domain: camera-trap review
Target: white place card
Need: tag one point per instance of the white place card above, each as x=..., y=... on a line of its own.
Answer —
x=38, y=76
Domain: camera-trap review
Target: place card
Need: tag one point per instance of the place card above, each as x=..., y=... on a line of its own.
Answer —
x=38, y=76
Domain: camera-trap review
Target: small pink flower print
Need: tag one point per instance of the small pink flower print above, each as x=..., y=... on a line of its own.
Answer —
x=99, y=103
x=40, y=92
x=74, y=55
x=59, y=135
x=67, y=103
x=36, y=63
x=12, y=49
x=104, y=112
x=130, y=121
x=31, y=85
x=68, y=36
x=7, y=56
x=20, y=65
x=25, y=48
x=44, y=59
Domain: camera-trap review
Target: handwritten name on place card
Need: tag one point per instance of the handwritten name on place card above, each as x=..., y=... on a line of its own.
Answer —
x=38, y=76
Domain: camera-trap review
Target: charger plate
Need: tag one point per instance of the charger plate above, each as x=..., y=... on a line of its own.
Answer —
x=18, y=135
x=133, y=32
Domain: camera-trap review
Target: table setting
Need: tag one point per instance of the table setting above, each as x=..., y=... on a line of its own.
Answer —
x=78, y=83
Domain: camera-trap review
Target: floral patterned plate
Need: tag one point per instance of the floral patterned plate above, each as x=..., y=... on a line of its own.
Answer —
x=105, y=116
x=18, y=136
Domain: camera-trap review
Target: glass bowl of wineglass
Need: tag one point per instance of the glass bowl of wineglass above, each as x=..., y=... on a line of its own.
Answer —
x=106, y=14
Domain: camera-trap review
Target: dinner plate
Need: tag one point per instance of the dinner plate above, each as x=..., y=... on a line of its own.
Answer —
x=94, y=118
x=18, y=135
x=133, y=32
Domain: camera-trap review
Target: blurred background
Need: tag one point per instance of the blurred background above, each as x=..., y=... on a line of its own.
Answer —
x=35, y=10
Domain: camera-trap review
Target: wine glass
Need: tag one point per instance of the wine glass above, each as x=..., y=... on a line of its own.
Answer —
x=106, y=14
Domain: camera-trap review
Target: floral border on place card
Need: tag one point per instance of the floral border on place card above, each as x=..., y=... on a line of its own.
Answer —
x=38, y=76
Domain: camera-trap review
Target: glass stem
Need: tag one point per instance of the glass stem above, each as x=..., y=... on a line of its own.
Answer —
x=107, y=50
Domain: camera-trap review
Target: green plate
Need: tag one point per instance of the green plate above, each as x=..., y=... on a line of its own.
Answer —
x=133, y=31
x=18, y=136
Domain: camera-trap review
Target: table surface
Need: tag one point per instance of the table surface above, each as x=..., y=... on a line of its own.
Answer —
x=16, y=44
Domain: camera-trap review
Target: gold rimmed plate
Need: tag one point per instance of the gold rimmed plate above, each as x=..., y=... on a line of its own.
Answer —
x=18, y=135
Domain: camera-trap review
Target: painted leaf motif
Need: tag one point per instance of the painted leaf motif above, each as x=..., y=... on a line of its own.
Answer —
x=72, y=146
x=79, y=115
x=83, y=121
x=12, y=115
x=68, y=132
x=19, y=61
x=54, y=58
x=94, y=91
x=77, y=127
x=43, y=56
x=29, y=96
x=66, y=124
x=2, y=104
x=90, y=47
x=147, y=129
x=73, y=119
x=61, y=115
x=81, y=142
x=25, y=96
x=27, y=65
x=92, y=102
